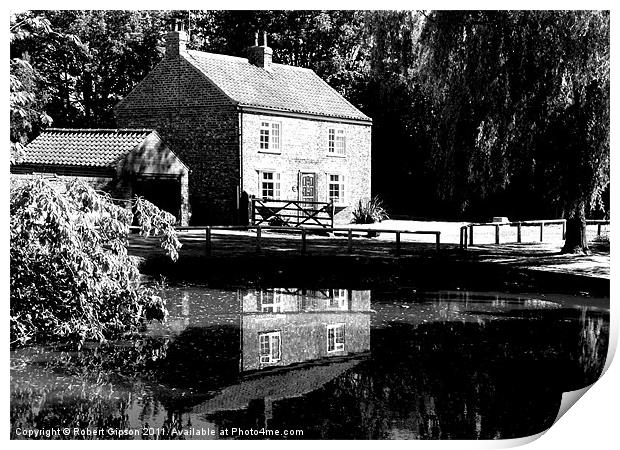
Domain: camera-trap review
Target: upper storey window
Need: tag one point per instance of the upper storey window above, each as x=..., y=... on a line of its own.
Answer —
x=270, y=136
x=336, y=142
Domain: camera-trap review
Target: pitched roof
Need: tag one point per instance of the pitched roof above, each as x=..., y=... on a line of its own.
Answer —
x=83, y=147
x=282, y=88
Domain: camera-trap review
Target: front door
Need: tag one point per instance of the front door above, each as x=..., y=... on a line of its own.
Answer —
x=307, y=193
x=307, y=187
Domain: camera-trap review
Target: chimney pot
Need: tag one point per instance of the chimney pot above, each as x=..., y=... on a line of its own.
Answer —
x=176, y=39
x=260, y=55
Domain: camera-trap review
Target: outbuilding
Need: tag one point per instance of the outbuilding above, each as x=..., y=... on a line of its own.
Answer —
x=122, y=162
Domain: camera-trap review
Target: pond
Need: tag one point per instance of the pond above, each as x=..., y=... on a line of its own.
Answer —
x=320, y=364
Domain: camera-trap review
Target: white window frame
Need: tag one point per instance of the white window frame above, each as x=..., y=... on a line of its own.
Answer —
x=274, y=303
x=341, y=188
x=336, y=141
x=277, y=184
x=270, y=137
x=339, y=298
x=272, y=357
x=337, y=346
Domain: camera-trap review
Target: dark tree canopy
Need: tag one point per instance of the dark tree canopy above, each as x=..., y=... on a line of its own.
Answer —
x=521, y=95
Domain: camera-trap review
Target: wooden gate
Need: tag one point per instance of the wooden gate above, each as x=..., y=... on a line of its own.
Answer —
x=293, y=213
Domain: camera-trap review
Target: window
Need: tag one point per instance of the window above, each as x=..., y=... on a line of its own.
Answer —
x=338, y=299
x=336, y=189
x=270, y=136
x=270, y=301
x=269, y=345
x=336, y=143
x=269, y=185
x=335, y=338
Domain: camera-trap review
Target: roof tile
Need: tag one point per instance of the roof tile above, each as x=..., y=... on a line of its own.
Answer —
x=283, y=88
x=82, y=147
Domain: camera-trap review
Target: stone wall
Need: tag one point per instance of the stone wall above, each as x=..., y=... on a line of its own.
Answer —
x=304, y=148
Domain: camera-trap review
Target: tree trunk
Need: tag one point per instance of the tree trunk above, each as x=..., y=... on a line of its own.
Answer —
x=576, y=240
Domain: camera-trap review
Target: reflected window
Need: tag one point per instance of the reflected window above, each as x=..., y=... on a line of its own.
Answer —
x=269, y=345
x=339, y=299
x=335, y=337
x=271, y=302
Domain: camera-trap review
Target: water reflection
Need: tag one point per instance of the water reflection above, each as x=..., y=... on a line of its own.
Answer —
x=281, y=327
x=275, y=327
x=336, y=364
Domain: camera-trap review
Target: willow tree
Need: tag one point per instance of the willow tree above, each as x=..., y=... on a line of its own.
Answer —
x=519, y=93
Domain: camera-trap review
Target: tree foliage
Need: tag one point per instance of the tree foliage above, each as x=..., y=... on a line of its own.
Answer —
x=92, y=60
x=71, y=276
x=521, y=95
x=26, y=98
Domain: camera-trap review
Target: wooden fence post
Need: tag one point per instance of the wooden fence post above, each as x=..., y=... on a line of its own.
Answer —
x=542, y=227
x=397, y=243
x=496, y=234
x=598, y=230
x=208, y=241
x=303, y=241
x=518, y=232
x=350, y=241
x=258, y=243
x=253, y=206
x=471, y=235
x=437, y=240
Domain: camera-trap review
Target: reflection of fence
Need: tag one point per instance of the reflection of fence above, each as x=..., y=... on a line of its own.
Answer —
x=304, y=232
x=292, y=213
x=467, y=231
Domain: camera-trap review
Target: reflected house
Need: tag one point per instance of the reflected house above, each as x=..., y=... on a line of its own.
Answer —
x=281, y=327
x=293, y=342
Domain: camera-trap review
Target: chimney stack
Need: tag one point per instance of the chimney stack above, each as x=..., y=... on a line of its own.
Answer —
x=260, y=55
x=176, y=39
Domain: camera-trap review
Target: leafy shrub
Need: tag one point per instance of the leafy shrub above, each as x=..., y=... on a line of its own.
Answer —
x=71, y=277
x=369, y=211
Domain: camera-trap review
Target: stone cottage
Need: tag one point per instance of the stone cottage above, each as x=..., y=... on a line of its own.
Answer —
x=121, y=162
x=248, y=127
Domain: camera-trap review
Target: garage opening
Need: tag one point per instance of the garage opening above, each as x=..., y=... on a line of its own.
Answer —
x=164, y=192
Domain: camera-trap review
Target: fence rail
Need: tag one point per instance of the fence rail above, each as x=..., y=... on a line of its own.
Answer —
x=292, y=213
x=467, y=231
x=304, y=232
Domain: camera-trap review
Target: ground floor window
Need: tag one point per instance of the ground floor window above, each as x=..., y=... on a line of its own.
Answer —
x=269, y=344
x=336, y=189
x=269, y=187
x=335, y=337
